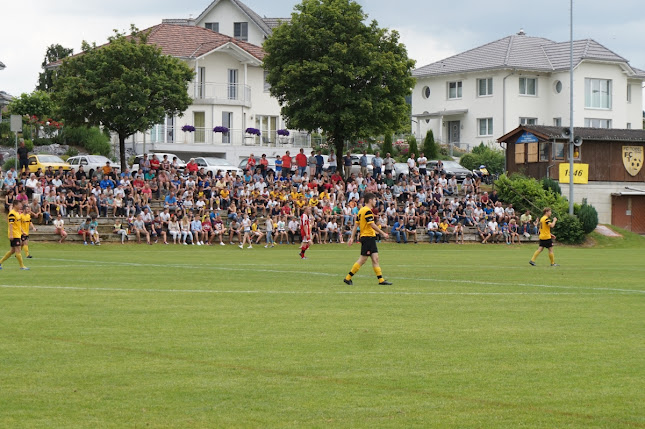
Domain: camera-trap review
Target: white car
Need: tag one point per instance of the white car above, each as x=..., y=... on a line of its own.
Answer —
x=217, y=164
x=90, y=163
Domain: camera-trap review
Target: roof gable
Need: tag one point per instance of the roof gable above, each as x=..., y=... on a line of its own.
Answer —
x=590, y=134
x=254, y=17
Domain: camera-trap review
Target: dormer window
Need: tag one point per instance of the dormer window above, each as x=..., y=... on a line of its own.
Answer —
x=214, y=26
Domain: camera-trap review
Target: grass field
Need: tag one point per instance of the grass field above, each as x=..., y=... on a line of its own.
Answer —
x=468, y=336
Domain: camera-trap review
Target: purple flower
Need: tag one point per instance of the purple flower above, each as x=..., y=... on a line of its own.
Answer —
x=220, y=129
x=253, y=131
x=188, y=128
x=283, y=132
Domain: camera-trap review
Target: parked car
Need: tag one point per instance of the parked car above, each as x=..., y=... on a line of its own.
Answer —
x=214, y=165
x=356, y=163
x=43, y=161
x=401, y=170
x=160, y=155
x=90, y=163
x=452, y=168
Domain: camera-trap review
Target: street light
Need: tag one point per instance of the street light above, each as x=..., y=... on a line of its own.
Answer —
x=571, y=108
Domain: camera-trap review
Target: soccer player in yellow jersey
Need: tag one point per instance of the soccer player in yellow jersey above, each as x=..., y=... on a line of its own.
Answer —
x=26, y=226
x=369, y=229
x=15, y=234
x=546, y=238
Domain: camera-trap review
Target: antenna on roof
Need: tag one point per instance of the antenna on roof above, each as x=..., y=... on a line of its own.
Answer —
x=521, y=32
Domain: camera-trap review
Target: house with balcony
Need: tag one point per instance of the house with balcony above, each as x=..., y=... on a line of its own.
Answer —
x=229, y=90
x=485, y=92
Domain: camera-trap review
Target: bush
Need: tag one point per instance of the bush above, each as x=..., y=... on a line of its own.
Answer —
x=71, y=151
x=10, y=162
x=492, y=158
x=550, y=184
x=29, y=145
x=528, y=194
x=588, y=217
x=92, y=139
x=387, y=145
x=38, y=141
x=430, y=148
x=569, y=230
x=412, y=146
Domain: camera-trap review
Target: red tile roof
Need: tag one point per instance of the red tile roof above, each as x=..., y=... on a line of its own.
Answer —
x=189, y=41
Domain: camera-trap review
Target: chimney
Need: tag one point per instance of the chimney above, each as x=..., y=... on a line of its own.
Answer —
x=521, y=32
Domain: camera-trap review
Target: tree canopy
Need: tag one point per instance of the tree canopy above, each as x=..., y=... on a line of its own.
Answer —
x=126, y=86
x=330, y=70
x=53, y=54
x=38, y=103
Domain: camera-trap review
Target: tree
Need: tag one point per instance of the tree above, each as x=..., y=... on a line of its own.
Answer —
x=430, y=148
x=331, y=71
x=38, y=103
x=46, y=77
x=126, y=86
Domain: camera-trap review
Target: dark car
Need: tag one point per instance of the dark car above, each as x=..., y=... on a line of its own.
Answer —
x=452, y=168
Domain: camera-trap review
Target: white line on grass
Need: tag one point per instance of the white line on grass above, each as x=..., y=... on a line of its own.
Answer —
x=437, y=280
x=285, y=292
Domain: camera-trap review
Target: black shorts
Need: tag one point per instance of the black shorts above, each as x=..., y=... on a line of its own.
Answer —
x=546, y=243
x=15, y=242
x=368, y=246
x=24, y=237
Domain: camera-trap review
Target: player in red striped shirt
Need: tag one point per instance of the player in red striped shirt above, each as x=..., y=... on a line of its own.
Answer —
x=305, y=232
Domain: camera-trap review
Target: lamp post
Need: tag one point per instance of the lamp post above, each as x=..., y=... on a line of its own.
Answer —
x=571, y=137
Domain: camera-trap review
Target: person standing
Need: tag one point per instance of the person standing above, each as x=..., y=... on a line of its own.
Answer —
x=15, y=232
x=347, y=164
x=286, y=165
x=368, y=231
x=388, y=164
x=305, y=232
x=301, y=162
x=422, y=161
x=23, y=156
x=363, y=162
x=546, y=238
x=333, y=163
x=269, y=232
x=377, y=165
x=26, y=225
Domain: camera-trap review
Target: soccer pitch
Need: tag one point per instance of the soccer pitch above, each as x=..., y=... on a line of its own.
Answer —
x=187, y=336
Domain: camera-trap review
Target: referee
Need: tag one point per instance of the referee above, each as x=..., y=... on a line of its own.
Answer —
x=546, y=238
x=365, y=220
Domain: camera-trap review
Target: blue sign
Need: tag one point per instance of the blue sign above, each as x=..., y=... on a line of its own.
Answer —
x=527, y=138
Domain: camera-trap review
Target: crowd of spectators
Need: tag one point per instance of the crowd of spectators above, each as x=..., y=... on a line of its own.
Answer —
x=199, y=207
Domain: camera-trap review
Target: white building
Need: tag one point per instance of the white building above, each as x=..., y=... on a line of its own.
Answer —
x=223, y=47
x=488, y=91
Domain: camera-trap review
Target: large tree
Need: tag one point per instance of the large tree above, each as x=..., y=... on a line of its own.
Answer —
x=126, y=86
x=46, y=77
x=330, y=70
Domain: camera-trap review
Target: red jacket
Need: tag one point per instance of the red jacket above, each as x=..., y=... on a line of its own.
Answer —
x=301, y=160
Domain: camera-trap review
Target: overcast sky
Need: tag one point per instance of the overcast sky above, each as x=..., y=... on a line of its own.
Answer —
x=430, y=30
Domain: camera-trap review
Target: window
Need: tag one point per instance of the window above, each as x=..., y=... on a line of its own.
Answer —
x=201, y=82
x=212, y=26
x=485, y=87
x=241, y=30
x=528, y=86
x=557, y=122
x=557, y=86
x=485, y=126
x=232, y=84
x=558, y=151
x=425, y=92
x=227, y=121
x=267, y=85
x=532, y=152
x=528, y=121
x=598, y=93
x=454, y=90
x=629, y=125
x=268, y=125
x=597, y=123
x=629, y=93
x=544, y=151
x=519, y=153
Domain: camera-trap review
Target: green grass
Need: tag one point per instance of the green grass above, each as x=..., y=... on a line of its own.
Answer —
x=178, y=336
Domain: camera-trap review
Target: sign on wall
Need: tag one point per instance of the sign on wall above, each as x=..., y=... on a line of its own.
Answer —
x=580, y=173
x=527, y=137
x=633, y=159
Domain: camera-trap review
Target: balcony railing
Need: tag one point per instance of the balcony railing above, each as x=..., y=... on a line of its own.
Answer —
x=235, y=137
x=235, y=94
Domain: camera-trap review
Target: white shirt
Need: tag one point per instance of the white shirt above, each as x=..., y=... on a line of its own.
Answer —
x=411, y=163
x=492, y=225
x=422, y=161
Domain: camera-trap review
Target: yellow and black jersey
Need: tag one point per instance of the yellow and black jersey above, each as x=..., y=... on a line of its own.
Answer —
x=15, y=224
x=545, y=229
x=25, y=223
x=365, y=222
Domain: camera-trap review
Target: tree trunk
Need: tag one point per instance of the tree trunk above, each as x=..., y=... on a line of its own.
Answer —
x=124, y=164
x=339, y=147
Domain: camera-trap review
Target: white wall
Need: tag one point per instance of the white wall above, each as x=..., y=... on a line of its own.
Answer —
x=598, y=194
x=226, y=13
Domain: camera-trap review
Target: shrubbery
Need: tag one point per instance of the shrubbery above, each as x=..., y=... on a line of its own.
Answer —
x=8, y=163
x=92, y=139
x=588, y=217
x=548, y=183
x=493, y=159
x=568, y=229
x=430, y=147
x=412, y=143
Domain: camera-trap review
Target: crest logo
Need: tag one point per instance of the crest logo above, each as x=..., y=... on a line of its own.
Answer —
x=633, y=159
